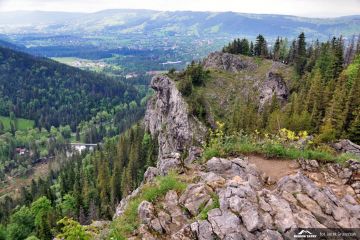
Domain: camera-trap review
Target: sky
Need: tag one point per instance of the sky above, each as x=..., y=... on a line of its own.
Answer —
x=305, y=8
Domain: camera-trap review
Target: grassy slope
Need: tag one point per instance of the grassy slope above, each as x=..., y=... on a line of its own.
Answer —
x=222, y=89
x=22, y=124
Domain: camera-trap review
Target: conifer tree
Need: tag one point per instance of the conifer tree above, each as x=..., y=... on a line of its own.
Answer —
x=260, y=48
x=300, y=54
x=354, y=132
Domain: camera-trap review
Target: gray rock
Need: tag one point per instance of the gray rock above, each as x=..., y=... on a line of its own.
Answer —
x=146, y=212
x=203, y=230
x=156, y=225
x=150, y=174
x=282, y=213
x=273, y=85
x=183, y=234
x=218, y=165
x=227, y=62
x=165, y=221
x=270, y=235
x=194, y=154
x=167, y=117
x=223, y=222
x=347, y=146
x=195, y=195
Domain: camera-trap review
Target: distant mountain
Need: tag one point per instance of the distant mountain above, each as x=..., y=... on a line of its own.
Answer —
x=178, y=22
x=7, y=44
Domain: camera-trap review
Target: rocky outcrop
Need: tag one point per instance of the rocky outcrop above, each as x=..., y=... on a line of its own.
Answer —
x=246, y=208
x=228, y=62
x=268, y=84
x=230, y=198
x=343, y=179
x=347, y=146
x=273, y=85
x=167, y=118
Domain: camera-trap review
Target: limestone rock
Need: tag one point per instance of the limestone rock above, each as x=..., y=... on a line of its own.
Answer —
x=227, y=62
x=273, y=85
x=195, y=195
x=223, y=222
x=167, y=118
x=146, y=212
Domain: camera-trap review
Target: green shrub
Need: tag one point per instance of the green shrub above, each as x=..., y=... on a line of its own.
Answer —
x=185, y=86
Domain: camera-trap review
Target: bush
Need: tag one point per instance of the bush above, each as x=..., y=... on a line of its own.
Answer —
x=197, y=74
x=197, y=106
x=185, y=87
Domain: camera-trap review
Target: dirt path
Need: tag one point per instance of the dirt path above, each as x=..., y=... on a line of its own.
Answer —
x=274, y=168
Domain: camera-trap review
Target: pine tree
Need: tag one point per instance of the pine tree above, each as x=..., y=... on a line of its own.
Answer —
x=276, y=50
x=300, y=54
x=335, y=112
x=354, y=132
x=252, y=53
x=260, y=48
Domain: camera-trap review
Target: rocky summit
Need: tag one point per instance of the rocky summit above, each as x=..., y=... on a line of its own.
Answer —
x=231, y=198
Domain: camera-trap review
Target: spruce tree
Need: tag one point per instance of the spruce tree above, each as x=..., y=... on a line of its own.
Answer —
x=354, y=132
x=300, y=54
x=260, y=48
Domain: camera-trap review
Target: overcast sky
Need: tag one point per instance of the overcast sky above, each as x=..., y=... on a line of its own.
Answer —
x=307, y=8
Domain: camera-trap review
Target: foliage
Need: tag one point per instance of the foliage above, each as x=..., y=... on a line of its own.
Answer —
x=55, y=94
x=204, y=210
x=129, y=221
x=324, y=92
x=286, y=144
x=21, y=224
x=72, y=230
x=238, y=47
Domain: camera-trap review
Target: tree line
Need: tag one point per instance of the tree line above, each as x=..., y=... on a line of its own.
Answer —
x=324, y=91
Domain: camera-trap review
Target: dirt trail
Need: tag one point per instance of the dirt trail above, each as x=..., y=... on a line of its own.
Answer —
x=274, y=168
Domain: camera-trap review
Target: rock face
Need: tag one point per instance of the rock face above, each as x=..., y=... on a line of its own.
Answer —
x=227, y=62
x=273, y=85
x=246, y=209
x=167, y=118
x=347, y=146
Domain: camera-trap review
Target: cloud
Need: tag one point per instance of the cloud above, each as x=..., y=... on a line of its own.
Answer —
x=313, y=8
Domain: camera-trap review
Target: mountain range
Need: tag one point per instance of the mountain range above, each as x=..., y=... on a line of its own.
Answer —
x=170, y=23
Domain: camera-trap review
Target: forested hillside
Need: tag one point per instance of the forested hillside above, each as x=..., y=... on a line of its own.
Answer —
x=311, y=87
x=87, y=187
x=54, y=94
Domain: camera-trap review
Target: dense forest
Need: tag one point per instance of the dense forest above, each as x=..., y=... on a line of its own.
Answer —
x=55, y=94
x=65, y=104
x=324, y=93
x=87, y=187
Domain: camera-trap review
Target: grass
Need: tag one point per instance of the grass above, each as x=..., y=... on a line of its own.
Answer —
x=21, y=123
x=205, y=210
x=128, y=222
x=236, y=145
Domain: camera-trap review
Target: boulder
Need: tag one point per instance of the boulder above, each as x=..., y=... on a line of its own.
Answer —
x=223, y=222
x=146, y=212
x=195, y=195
